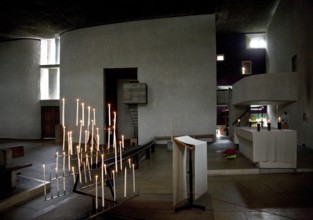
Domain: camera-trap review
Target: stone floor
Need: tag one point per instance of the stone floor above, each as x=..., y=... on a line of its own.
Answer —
x=265, y=195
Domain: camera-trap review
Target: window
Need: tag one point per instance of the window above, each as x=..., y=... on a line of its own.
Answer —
x=246, y=67
x=49, y=69
x=220, y=57
x=255, y=41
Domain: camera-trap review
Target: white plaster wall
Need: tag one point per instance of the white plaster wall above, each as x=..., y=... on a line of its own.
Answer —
x=290, y=33
x=19, y=89
x=176, y=57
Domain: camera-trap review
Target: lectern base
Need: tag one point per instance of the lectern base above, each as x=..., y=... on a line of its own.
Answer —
x=189, y=206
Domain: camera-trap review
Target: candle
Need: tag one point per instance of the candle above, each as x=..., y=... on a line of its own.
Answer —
x=77, y=111
x=69, y=159
x=238, y=122
x=88, y=116
x=109, y=107
x=73, y=172
x=85, y=172
x=98, y=139
x=94, y=115
x=83, y=113
x=91, y=156
x=64, y=163
x=109, y=134
x=121, y=159
x=64, y=189
x=129, y=163
x=44, y=180
x=92, y=135
x=123, y=141
x=105, y=169
x=86, y=140
x=268, y=125
x=114, y=191
x=56, y=161
x=63, y=110
x=114, y=140
x=78, y=163
x=102, y=178
x=96, y=183
x=80, y=133
x=125, y=182
x=63, y=145
x=279, y=123
x=57, y=178
x=134, y=186
x=88, y=167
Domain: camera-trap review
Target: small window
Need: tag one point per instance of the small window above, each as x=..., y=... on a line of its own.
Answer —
x=246, y=67
x=220, y=57
x=255, y=41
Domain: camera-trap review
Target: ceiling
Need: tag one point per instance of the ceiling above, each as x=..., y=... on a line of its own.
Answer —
x=50, y=18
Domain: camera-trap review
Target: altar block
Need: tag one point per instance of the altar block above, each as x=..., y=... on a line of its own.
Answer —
x=181, y=145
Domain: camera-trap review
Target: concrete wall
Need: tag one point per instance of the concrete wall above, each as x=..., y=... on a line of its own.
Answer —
x=175, y=56
x=290, y=33
x=19, y=89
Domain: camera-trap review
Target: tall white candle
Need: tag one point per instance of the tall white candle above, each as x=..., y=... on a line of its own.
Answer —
x=69, y=159
x=63, y=111
x=88, y=117
x=114, y=190
x=92, y=134
x=114, y=140
x=102, y=178
x=86, y=140
x=98, y=140
x=78, y=163
x=105, y=169
x=77, y=111
x=94, y=115
x=63, y=145
x=109, y=107
x=57, y=161
x=44, y=180
x=134, y=186
x=88, y=166
x=64, y=187
x=109, y=141
x=125, y=182
x=73, y=172
x=96, y=183
x=91, y=156
x=121, y=159
x=57, y=179
x=123, y=141
x=129, y=163
x=83, y=113
x=63, y=163
x=80, y=133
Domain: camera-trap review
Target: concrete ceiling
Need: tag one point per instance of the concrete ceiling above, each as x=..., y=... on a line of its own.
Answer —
x=50, y=18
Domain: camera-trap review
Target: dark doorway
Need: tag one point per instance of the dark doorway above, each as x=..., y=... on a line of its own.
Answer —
x=49, y=119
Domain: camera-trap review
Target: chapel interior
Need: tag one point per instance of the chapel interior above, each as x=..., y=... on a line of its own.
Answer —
x=156, y=109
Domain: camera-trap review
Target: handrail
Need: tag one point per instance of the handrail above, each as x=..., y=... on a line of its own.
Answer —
x=245, y=112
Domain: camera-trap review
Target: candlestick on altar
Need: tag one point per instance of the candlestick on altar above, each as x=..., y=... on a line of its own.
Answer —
x=134, y=186
x=63, y=111
x=114, y=190
x=96, y=183
x=125, y=182
x=77, y=111
x=44, y=181
x=102, y=179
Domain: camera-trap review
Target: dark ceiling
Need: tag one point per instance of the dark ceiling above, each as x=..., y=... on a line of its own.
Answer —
x=50, y=18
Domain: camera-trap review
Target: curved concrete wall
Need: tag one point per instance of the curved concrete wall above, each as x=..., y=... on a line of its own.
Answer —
x=20, y=90
x=266, y=89
x=175, y=56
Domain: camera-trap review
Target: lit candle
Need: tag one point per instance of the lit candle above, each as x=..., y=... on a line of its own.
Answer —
x=121, y=159
x=63, y=145
x=73, y=172
x=57, y=178
x=125, y=182
x=123, y=141
x=91, y=156
x=279, y=123
x=102, y=178
x=80, y=133
x=114, y=140
x=86, y=140
x=44, y=180
x=134, y=186
x=92, y=134
x=94, y=115
x=105, y=169
x=96, y=183
x=268, y=125
x=56, y=161
x=129, y=163
x=64, y=163
x=98, y=140
x=78, y=163
x=114, y=191
x=109, y=134
x=69, y=156
x=77, y=111
x=109, y=107
x=88, y=116
x=63, y=111
x=83, y=113
x=88, y=167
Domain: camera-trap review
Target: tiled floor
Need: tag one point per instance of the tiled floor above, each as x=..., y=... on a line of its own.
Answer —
x=259, y=196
